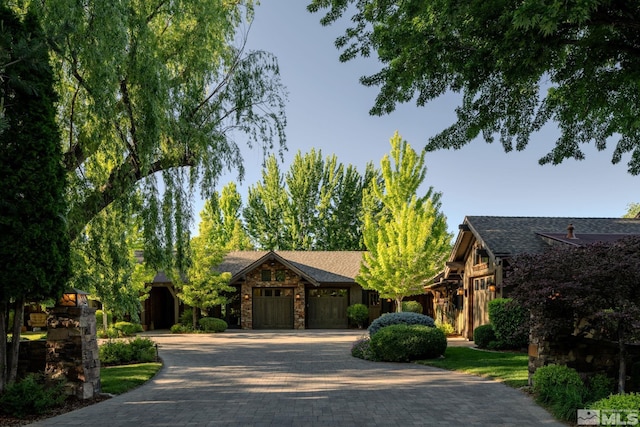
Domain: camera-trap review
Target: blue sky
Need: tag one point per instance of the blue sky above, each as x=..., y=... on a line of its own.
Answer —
x=328, y=110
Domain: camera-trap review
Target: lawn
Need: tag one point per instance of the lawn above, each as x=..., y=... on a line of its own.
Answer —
x=119, y=379
x=510, y=368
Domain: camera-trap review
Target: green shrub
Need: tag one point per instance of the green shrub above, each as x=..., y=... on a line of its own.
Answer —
x=404, y=343
x=137, y=350
x=600, y=387
x=212, y=324
x=31, y=396
x=407, y=318
x=127, y=329
x=509, y=322
x=100, y=320
x=179, y=328
x=561, y=389
x=186, y=318
x=359, y=314
x=629, y=401
x=362, y=349
x=412, y=306
x=447, y=328
x=483, y=336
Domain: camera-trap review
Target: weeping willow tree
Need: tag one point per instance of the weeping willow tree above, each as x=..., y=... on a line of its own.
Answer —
x=155, y=99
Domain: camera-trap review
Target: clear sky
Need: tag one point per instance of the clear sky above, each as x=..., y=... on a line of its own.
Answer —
x=328, y=110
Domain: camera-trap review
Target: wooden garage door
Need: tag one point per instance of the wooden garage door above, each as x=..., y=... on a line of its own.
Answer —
x=327, y=308
x=272, y=308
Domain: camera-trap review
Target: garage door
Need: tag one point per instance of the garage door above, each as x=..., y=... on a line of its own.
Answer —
x=327, y=308
x=272, y=308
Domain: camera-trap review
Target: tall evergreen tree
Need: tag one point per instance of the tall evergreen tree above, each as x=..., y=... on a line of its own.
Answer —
x=407, y=240
x=34, y=244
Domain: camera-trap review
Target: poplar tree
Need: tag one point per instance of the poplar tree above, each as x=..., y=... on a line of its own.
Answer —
x=406, y=239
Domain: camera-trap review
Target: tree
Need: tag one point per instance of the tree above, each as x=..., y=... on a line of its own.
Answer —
x=221, y=220
x=34, y=247
x=153, y=96
x=407, y=240
x=588, y=291
x=316, y=205
x=633, y=211
x=518, y=65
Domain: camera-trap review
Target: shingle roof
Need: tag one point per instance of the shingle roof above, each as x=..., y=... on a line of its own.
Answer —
x=509, y=236
x=320, y=266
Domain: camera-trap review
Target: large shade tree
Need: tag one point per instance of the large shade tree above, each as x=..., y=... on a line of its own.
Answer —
x=154, y=100
x=405, y=235
x=34, y=245
x=518, y=64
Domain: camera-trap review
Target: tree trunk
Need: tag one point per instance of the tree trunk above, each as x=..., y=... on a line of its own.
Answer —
x=194, y=312
x=622, y=368
x=105, y=318
x=18, y=319
x=4, y=315
x=398, y=304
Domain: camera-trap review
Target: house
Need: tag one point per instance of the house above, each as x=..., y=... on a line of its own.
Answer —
x=485, y=245
x=277, y=290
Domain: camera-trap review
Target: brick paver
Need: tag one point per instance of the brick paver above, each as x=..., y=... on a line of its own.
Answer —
x=301, y=378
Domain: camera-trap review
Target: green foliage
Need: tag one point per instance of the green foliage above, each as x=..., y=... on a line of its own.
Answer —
x=600, y=386
x=633, y=210
x=186, y=317
x=483, y=335
x=100, y=318
x=358, y=313
x=524, y=64
x=561, y=389
x=407, y=239
x=180, y=328
x=404, y=343
x=31, y=396
x=127, y=329
x=509, y=321
x=407, y=318
x=445, y=327
x=620, y=402
x=119, y=352
x=212, y=324
x=362, y=349
x=412, y=306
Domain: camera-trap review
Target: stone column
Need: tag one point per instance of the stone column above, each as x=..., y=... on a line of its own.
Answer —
x=72, y=350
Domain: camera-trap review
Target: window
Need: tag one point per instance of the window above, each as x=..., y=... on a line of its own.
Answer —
x=281, y=275
x=266, y=275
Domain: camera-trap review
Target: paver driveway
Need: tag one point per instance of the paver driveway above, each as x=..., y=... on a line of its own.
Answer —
x=301, y=378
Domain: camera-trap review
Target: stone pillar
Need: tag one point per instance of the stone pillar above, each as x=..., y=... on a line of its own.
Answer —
x=72, y=350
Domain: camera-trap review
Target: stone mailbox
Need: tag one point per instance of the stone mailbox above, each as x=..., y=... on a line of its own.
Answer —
x=72, y=346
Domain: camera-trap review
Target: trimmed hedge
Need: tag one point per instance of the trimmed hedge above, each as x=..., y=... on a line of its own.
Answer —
x=406, y=318
x=212, y=324
x=619, y=402
x=127, y=329
x=484, y=335
x=509, y=322
x=404, y=343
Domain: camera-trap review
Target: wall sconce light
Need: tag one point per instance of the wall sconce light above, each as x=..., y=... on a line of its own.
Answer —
x=492, y=288
x=460, y=291
x=246, y=296
x=297, y=296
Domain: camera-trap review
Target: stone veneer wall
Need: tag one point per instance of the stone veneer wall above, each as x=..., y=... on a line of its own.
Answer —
x=254, y=280
x=587, y=356
x=72, y=350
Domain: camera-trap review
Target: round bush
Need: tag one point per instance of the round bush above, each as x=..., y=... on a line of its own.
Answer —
x=412, y=306
x=483, y=335
x=406, y=318
x=361, y=349
x=404, y=343
x=358, y=313
x=552, y=381
x=128, y=329
x=179, y=328
x=212, y=324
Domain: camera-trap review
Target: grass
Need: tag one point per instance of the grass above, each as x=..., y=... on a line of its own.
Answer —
x=510, y=368
x=120, y=379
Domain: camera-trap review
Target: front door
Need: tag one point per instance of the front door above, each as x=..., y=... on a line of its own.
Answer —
x=327, y=308
x=272, y=308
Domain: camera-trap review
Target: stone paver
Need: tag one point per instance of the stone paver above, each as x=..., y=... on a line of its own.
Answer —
x=301, y=378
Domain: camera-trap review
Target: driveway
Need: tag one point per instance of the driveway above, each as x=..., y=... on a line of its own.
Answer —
x=301, y=378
